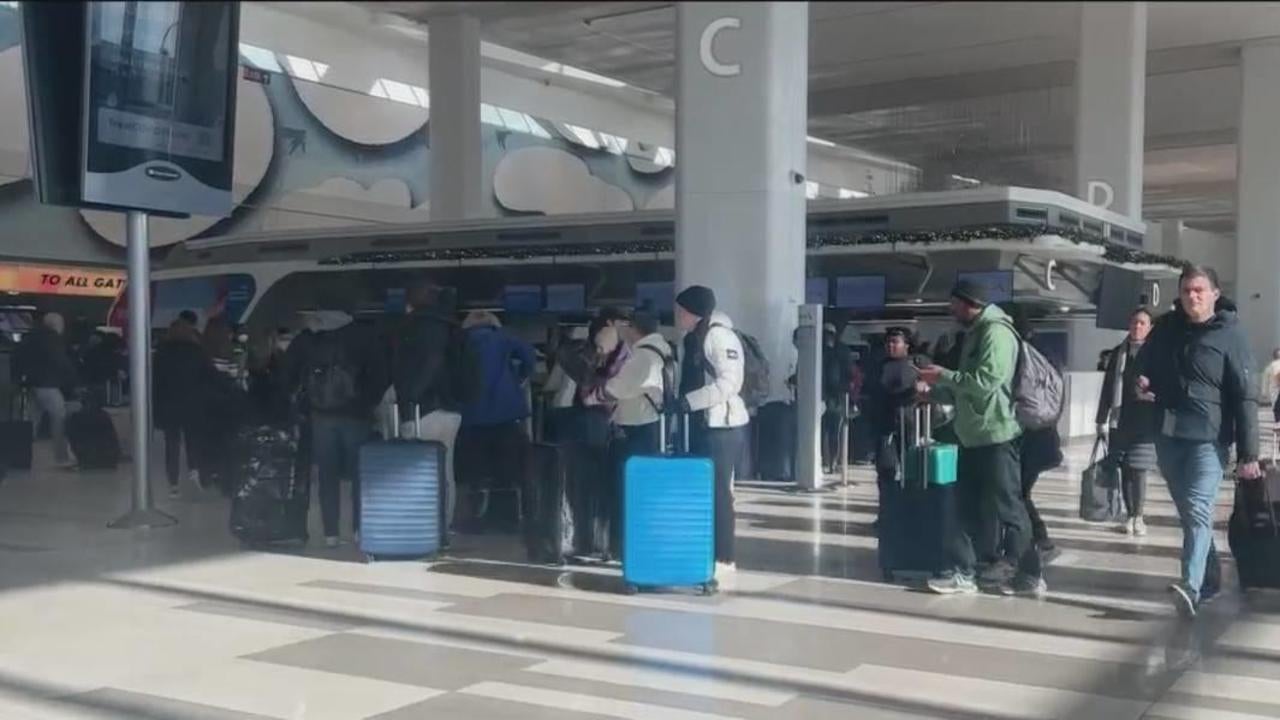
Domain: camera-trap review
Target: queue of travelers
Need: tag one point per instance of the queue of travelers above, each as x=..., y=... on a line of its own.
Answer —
x=1177, y=394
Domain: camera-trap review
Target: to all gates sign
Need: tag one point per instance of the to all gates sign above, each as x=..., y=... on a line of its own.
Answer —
x=61, y=281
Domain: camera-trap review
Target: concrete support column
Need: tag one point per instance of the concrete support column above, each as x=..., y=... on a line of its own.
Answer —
x=1111, y=84
x=1258, y=202
x=457, y=181
x=741, y=114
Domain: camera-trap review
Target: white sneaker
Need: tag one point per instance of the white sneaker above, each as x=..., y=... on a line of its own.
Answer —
x=1126, y=527
x=193, y=477
x=724, y=570
x=332, y=542
x=1139, y=526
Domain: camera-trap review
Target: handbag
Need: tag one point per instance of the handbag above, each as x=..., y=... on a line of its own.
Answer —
x=1100, y=499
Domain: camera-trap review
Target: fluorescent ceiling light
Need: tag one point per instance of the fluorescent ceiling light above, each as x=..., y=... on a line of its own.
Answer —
x=820, y=141
x=966, y=180
x=846, y=193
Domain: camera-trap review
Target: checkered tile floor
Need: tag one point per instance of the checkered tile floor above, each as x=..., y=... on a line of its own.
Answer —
x=184, y=623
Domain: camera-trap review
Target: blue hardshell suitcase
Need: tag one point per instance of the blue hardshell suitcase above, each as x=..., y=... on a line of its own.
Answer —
x=400, y=503
x=668, y=523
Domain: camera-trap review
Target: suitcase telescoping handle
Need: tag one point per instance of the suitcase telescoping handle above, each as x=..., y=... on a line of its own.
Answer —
x=395, y=421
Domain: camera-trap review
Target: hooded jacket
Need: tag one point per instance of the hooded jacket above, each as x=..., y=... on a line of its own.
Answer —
x=719, y=394
x=983, y=383
x=638, y=385
x=1202, y=377
x=506, y=363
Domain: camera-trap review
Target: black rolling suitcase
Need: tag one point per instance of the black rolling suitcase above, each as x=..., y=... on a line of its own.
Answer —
x=776, y=440
x=17, y=435
x=916, y=514
x=93, y=439
x=270, y=499
x=1254, y=530
x=548, y=528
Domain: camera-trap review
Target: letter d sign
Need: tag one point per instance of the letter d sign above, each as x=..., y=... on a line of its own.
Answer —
x=707, y=53
x=1108, y=194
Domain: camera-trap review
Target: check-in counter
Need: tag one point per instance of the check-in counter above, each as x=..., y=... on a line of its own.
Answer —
x=1081, y=404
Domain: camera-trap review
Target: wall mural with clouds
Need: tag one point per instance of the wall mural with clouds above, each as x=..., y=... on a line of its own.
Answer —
x=309, y=155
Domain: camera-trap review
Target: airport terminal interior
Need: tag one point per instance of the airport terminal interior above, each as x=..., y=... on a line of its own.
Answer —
x=640, y=360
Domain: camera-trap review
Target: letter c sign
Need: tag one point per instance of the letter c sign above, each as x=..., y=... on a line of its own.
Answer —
x=705, y=51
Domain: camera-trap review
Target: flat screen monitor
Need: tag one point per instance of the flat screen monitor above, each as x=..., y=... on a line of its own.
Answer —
x=660, y=295
x=999, y=283
x=1118, y=296
x=522, y=298
x=817, y=291
x=860, y=292
x=569, y=297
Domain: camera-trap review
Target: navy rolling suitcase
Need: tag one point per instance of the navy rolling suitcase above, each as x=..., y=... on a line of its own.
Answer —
x=669, y=522
x=400, y=503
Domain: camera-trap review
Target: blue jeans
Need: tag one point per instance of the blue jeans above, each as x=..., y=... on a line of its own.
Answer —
x=336, y=445
x=1193, y=470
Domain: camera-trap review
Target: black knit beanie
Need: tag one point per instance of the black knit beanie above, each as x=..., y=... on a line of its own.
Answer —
x=698, y=300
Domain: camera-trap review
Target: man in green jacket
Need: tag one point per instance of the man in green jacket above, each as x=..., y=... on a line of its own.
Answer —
x=988, y=484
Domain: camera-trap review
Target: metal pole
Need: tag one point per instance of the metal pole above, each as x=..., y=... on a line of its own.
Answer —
x=809, y=475
x=142, y=514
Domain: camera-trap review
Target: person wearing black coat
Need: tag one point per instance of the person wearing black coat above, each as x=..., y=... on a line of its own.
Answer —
x=892, y=391
x=179, y=368
x=1127, y=419
x=1197, y=365
x=45, y=367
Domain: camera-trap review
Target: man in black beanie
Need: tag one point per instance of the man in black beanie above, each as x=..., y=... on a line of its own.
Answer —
x=712, y=382
x=988, y=484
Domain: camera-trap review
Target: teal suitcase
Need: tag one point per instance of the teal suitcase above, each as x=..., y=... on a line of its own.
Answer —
x=924, y=462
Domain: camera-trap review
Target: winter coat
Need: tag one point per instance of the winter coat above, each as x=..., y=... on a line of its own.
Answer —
x=638, y=386
x=1202, y=377
x=422, y=375
x=362, y=349
x=1134, y=424
x=43, y=360
x=180, y=370
x=506, y=363
x=982, y=386
x=722, y=375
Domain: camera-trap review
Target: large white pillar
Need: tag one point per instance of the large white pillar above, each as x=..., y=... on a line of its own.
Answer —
x=741, y=114
x=457, y=182
x=1258, y=201
x=1111, y=84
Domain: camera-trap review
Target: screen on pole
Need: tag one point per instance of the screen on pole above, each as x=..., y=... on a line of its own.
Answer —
x=1118, y=296
x=522, y=299
x=860, y=292
x=566, y=297
x=160, y=96
x=817, y=291
x=660, y=295
x=999, y=283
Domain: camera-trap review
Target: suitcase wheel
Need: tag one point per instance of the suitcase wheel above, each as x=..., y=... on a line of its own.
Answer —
x=631, y=589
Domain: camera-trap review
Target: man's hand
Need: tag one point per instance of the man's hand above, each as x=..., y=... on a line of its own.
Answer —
x=930, y=374
x=1249, y=470
x=1102, y=430
x=1144, y=383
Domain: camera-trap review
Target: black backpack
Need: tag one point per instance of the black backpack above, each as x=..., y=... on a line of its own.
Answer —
x=669, y=387
x=755, y=371
x=331, y=380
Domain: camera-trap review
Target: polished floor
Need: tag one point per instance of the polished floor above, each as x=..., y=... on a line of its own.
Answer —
x=183, y=623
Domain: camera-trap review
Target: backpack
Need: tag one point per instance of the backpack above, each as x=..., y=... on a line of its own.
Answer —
x=755, y=371
x=668, y=380
x=1038, y=389
x=331, y=377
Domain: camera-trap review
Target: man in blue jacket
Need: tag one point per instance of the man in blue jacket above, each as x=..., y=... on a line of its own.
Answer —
x=492, y=441
x=1197, y=363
